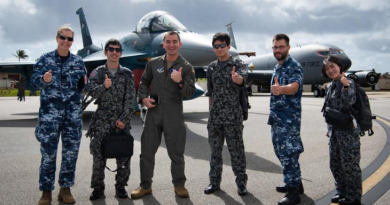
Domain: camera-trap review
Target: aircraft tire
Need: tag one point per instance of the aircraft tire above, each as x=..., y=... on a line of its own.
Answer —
x=316, y=92
x=322, y=92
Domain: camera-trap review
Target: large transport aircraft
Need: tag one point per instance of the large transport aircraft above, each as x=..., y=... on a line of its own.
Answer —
x=146, y=42
x=311, y=58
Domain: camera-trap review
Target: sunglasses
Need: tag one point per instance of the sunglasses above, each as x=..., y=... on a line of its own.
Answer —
x=111, y=49
x=216, y=46
x=63, y=37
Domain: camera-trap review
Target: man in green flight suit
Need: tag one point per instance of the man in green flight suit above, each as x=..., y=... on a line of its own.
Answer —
x=165, y=81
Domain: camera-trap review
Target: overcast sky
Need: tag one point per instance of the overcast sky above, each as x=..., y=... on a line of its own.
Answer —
x=360, y=27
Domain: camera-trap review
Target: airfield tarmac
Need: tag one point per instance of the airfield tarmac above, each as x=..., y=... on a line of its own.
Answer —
x=20, y=158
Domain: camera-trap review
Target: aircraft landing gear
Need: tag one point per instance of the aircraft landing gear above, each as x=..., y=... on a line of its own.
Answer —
x=318, y=91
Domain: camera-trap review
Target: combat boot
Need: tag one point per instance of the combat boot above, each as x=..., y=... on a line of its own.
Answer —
x=46, y=198
x=283, y=189
x=140, y=192
x=121, y=192
x=66, y=196
x=292, y=197
x=181, y=192
x=97, y=194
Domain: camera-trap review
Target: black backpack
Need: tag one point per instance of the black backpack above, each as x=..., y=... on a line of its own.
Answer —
x=244, y=102
x=362, y=112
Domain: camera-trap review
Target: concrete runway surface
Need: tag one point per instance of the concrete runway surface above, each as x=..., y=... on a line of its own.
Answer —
x=20, y=158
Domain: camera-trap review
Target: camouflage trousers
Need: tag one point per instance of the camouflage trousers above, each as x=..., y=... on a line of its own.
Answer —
x=344, y=151
x=287, y=148
x=233, y=134
x=48, y=134
x=99, y=165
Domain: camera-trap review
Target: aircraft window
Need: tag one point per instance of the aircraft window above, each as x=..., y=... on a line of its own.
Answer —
x=158, y=21
x=324, y=53
x=334, y=52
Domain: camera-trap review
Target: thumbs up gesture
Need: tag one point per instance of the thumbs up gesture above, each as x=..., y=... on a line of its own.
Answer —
x=276, y=89
x=47, y=77
x=176, y=75
x=344, y=80
x=107, y=82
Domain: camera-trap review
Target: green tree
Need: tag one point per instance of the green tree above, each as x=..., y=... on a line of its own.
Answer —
x=20, y=54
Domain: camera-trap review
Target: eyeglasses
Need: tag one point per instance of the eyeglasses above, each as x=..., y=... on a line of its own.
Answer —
x=216, y=46
x=112, y=49
x=278, y=47
x=64, y=37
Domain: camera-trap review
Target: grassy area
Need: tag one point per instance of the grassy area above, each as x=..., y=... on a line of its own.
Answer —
x=14, y=92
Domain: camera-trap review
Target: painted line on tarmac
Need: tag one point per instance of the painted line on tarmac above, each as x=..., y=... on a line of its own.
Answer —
x=375, y=176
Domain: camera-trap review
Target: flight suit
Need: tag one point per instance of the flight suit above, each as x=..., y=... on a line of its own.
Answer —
x=167, y=117
x=114, y=103
x=225, y=119
x=344, y=144
x=59, y=114
x=285, y=121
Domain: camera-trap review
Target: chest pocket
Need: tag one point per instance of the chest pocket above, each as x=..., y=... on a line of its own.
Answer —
x=220, y=77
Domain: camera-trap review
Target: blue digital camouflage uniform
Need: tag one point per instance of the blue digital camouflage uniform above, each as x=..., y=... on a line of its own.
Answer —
x=114, y=103
x=59, y=114
x=344, y=144
x=225, y=120
x=285, y=121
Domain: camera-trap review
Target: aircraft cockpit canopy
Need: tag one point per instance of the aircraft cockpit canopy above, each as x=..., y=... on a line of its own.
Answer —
x=331, y=52
x=159, y=21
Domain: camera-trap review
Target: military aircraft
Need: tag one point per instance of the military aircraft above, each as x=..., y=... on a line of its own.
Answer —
x=138, y=47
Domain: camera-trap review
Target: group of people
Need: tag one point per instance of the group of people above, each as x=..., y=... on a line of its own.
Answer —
x=61, y=76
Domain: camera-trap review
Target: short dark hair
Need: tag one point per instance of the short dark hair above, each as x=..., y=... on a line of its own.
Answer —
x=223, y=37
x=172, y=33
x=334, y=60
x=282, y=36
x=114, y=42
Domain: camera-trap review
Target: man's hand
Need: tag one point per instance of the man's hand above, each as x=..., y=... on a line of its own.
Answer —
x=107, y=82
x=119, y=124
x=276, y=89
x=344, y=80
x=237, y=79
x=176, y=75
x=148, y=102
x=47, y=77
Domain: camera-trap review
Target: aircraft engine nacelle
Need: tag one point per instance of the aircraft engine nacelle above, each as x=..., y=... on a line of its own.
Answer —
x=364, y=78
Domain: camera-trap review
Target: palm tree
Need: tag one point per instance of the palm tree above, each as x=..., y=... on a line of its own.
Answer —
x=20, y=54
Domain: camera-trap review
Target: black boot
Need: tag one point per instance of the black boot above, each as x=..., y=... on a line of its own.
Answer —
x=121, y=192
x=349, y=202
x=283, y=189
x=291, y=198
x=97, y=194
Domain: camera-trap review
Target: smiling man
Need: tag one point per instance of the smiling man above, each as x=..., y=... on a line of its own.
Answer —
x=164, y=83
x=285, y=118
x=225, y=78
x=61, y=77
x=113, y=87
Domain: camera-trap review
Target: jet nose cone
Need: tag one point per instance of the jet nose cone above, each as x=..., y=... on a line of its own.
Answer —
x=345, y=61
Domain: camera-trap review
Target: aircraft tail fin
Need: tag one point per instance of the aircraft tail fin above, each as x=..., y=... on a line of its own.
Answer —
x=87, y=39
x=89, y=47
x=230, y=30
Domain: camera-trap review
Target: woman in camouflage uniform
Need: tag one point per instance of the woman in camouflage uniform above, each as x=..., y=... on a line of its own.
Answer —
x=344, y=143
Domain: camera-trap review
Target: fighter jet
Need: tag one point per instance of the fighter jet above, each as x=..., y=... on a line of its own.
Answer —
x=144, y=43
